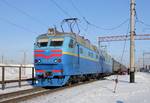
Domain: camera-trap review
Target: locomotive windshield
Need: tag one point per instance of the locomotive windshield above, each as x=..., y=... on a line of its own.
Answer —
x=42, y=42
x=56, y=42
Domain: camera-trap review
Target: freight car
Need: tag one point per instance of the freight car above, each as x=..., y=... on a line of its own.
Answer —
x=119, y=68
x=65, y=57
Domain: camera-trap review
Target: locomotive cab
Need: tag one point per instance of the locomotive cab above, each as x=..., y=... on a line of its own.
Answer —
x=49, y=59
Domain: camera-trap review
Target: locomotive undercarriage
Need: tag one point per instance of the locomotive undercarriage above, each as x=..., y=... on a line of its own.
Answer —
x=85, y=77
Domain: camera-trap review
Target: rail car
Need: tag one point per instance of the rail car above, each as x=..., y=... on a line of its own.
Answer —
x=119, y=68
x=64, y=57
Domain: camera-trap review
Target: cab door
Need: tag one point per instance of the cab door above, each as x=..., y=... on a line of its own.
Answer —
x=76, y=59
x=74, y=46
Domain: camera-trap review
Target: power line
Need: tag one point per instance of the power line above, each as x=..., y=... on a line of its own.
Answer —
x=85, y=29
x=80, y=14
x=113, y=28
x=77, y=10
x=65, y=12
x=91, y=24
x=140, y=21
x=125, y=44
x=144, y=29
x=59, y=7
x=16, y=25
x=23, y=12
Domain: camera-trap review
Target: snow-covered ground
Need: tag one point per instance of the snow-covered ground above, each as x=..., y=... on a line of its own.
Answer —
x=12, y=87
x=102, y=92
x=12, y=73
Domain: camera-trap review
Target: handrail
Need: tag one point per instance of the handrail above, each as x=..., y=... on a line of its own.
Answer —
x=3, y=66
x=16, y=65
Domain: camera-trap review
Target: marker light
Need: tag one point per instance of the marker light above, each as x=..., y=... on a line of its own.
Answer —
x=58, y=60
x=37, y=61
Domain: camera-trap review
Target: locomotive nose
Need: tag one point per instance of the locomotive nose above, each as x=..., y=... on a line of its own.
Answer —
x=56, y=56
x=52, y=56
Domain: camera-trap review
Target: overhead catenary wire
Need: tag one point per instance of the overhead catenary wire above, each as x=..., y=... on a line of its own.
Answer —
x=66, y=13
x=146, y=29
x=24, y=13
x=81, y=15
x=75, y=7
x=92, y=24
x=113, y=28
x=141, y=21
x=124, y=46
x=17, y=25
x=60, y=8
x=78, y=11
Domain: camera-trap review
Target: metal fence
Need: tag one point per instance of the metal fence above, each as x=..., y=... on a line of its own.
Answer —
x=3, y=81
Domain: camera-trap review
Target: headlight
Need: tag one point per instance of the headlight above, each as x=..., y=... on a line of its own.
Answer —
x=36, y=81
x=57, y=60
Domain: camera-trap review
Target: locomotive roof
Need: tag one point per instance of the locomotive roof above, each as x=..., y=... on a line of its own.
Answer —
x=79, y=39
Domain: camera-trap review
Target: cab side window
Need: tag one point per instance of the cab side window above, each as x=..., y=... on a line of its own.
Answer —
x=71, y=43
x=81, y=51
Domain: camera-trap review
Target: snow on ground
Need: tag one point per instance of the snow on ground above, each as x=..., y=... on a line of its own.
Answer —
x=12, y=87
x=12, y=73
x=102, y=92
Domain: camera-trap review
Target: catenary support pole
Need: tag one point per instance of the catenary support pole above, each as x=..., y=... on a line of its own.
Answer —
x=132, y=45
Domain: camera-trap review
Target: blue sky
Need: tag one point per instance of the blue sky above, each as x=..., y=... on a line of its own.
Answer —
x=44, y=13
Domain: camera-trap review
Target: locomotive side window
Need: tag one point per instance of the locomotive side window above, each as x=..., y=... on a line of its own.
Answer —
x=96, y=56
x=81, y=50
x=56, y=42
x=90, y=54
x=71, y=44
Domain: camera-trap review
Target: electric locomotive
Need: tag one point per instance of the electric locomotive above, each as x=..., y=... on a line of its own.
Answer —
x=63, y=57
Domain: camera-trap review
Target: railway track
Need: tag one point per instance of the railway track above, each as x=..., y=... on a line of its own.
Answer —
x=23, y=95
x=14, y=97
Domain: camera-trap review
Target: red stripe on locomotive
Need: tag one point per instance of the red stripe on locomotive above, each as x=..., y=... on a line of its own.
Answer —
x=41, y=71
x=39, y=50
x=56, y=71
x=56, y=50
x=49, y=56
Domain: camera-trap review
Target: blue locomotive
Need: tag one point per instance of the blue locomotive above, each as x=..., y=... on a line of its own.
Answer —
x=65, y=57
